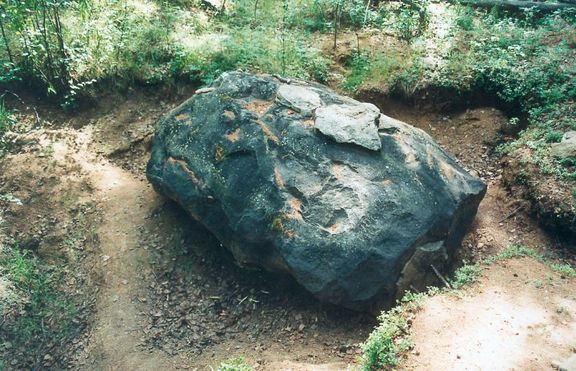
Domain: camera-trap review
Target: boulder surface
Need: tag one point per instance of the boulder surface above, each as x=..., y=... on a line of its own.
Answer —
x=355, y=205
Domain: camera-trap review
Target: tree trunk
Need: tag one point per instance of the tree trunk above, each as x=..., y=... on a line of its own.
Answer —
x=255, y=8
x=368, y=3
x=41, y=28
x=64, y=72
x=5, y=37
x=336, y=22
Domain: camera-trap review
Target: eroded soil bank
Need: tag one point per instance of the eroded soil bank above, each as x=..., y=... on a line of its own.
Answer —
x=167, y=296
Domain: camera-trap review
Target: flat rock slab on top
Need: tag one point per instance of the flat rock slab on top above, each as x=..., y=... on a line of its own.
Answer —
x=299, y=98
x=350, y=124
x=355, y=205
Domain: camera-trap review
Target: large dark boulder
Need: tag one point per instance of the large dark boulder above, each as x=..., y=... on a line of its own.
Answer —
x=355, y=205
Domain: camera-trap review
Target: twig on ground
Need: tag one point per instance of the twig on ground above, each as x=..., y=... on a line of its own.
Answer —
x=511, y=214
x=38, y=120
x=444, y=281
x=414, y=289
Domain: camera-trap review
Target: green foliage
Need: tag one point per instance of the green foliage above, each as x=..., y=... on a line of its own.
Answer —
x=465, y=275
x=553, y=136
x=84, y=42
x=388, y=68
x=263, y=51
x=522, y=251
x=45, y=313
x=519, y=251
x=322, y=15
x=465, y=18
x=389, y=340
x=411, y=19
x=407, y=82
x=359, y=69
x=6, y=121
x=235, y=364
x=33, y=41
x=564, y=269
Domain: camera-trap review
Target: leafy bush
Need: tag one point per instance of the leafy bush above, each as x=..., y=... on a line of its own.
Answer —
x=153, y=42
x=359, y=69
x=33, y=40
x=411, y=19
x=322, y=15
x=465, y=18
x=264, y=51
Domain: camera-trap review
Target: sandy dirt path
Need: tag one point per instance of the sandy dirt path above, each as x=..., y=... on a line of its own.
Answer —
x=125, y=203
x=520, y=316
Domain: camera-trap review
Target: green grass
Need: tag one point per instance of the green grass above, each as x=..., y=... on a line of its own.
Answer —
x=522, y=251
x=387, y=69
x=40, y=312
x=465, y=275
x=390, y=340
x=564, y=269
x=519, y=251
x=6, y=121
x=235, y=364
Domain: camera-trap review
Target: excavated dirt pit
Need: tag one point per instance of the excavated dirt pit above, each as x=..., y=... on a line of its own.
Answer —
x=171, y=298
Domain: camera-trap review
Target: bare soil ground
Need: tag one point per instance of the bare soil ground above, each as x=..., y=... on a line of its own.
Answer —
x=519, y=317
x=166, y=295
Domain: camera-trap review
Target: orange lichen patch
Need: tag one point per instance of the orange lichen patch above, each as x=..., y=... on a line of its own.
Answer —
x=229, y=115
x=295, y=209
x=447, y=170
x=233, y=136
x=258, y=106
x=290, y=112
x=411, y=159
x=334, y=228
x=407, y=150
x=336, y=170
x=183, y=117
x=186, y=169
x=290, y=233
x=387, y=183
x=278, y=178
x=268, y=132
x=219, y=153
x=308, y=123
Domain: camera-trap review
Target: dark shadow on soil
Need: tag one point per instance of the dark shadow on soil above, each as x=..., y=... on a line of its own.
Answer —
x=202, y=299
